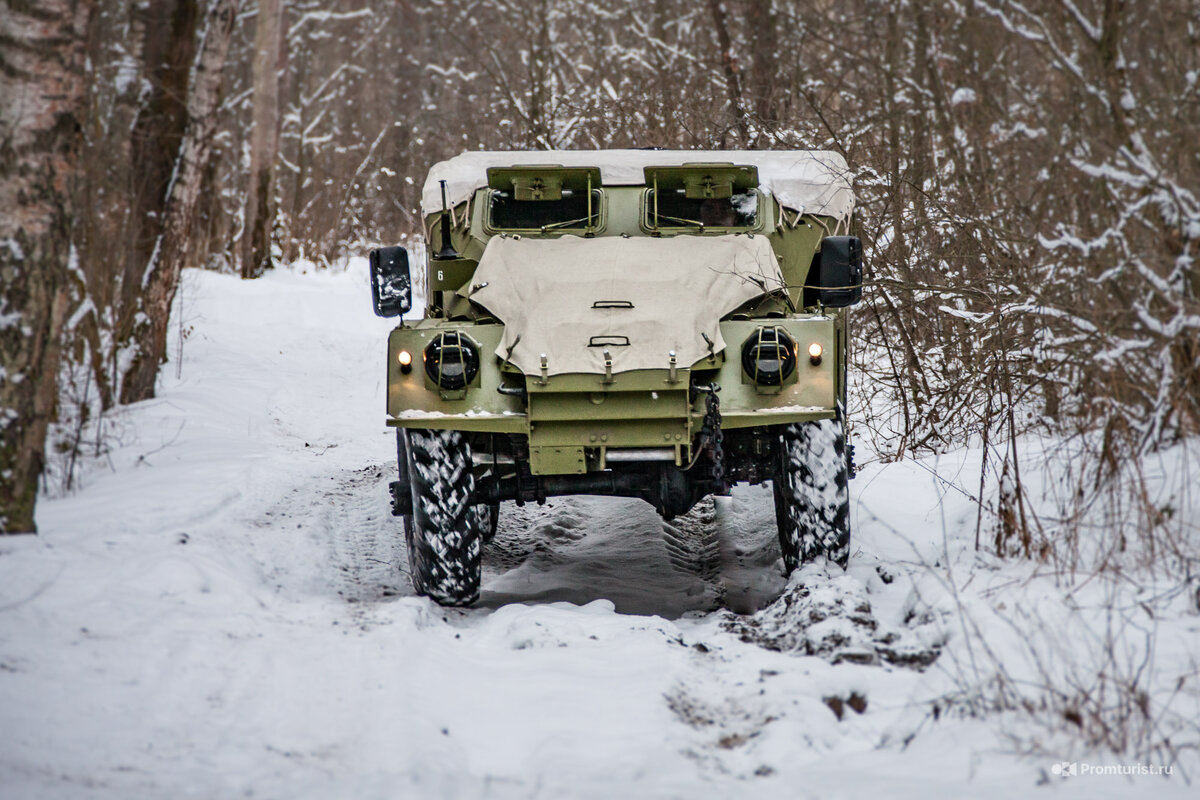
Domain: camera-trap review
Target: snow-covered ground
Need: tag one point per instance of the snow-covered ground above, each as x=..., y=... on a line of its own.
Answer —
x=223, y=610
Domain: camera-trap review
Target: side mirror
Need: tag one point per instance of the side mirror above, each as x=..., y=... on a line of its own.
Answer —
x=391, y=284
x=840, y=271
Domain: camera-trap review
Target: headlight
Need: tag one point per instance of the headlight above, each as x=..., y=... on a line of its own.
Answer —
x=769, y=356
x=451, y=361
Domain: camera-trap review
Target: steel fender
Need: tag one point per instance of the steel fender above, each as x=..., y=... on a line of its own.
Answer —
x=414, y=401
x=807, y=395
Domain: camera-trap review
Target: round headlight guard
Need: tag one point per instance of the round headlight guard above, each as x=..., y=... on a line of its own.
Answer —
x=769, y=356
x=451, y=361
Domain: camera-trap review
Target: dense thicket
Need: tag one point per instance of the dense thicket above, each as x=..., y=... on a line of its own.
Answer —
x=1028, y=172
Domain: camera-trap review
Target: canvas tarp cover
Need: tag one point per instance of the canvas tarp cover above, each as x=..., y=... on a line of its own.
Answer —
x=808, y=181
x=558, y=296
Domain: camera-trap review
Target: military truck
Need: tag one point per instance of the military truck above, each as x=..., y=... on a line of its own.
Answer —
x=638, y=323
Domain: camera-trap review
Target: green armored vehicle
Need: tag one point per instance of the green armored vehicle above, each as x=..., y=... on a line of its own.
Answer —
x=637, y=323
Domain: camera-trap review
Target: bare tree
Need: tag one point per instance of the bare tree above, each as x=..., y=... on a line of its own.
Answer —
x=41, y=80
x=264, y=140
x=729, y=67
x=1027, y=185
x=168, y=50
x=161, y=278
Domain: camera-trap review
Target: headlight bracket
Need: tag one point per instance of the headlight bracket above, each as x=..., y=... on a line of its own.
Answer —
x=769, y=357
x=451, y=363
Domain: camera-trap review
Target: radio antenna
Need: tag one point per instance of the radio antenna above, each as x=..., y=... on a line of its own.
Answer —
x=447, y=252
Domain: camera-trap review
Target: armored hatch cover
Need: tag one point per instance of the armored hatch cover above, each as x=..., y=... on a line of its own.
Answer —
x=808, y=181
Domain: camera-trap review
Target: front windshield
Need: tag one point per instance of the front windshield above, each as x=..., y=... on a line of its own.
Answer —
x=675, y=210
x=569, y=213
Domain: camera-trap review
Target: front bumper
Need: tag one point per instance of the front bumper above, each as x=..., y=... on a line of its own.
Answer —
x=566, y=415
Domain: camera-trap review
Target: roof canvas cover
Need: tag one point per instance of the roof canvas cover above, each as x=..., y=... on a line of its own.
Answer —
x=809, y=181
x=571, y=298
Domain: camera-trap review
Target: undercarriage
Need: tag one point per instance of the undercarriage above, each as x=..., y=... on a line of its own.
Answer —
x=502, y=472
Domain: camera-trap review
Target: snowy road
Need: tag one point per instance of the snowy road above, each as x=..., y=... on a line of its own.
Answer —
x=223, y=611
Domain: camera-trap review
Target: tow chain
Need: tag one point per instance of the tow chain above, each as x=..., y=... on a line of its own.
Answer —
x=712, y=439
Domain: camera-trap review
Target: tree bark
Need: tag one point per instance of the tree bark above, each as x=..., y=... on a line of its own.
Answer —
x=168, y=50
x=764, y=30
x=42, y=82
x=729, y=68
x=161, y=278
x=264, y=140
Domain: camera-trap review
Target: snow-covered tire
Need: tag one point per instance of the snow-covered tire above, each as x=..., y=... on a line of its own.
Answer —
x=444, y=532
x=404, y=481
x=812, y=493
x=485, y=518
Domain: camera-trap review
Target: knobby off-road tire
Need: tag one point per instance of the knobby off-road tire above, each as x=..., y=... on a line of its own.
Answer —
x=812, y=493
x=444, y=532
x=486, y=519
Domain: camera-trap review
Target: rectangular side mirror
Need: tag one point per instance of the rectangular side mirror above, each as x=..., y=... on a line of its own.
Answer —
x=391, y=283
x=840, y=272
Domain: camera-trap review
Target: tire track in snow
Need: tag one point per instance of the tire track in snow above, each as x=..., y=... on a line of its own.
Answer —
x=366, y=542
x=580, y=549
x=720, y=557
x=723, y=553
x=693, y=544
x=334, y=534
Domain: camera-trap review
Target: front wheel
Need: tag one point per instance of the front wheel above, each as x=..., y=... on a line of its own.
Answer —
x=812, y=493
x=444, y=533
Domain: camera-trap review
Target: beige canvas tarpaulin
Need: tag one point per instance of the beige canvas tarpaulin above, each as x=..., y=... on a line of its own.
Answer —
x=573, y=298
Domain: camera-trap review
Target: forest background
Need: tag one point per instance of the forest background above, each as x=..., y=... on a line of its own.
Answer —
x=1027, y=174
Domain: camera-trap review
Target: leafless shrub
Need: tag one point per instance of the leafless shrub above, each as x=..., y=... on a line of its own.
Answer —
x=1091, y=679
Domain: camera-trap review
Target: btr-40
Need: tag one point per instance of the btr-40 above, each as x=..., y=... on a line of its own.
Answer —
x=637, y=323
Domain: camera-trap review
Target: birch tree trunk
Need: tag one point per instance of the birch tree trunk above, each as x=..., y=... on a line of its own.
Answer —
x=41, y=83
x=161, y=278
x=264, y=140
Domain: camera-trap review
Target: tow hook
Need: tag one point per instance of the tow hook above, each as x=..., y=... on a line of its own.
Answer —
x=512, y=391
